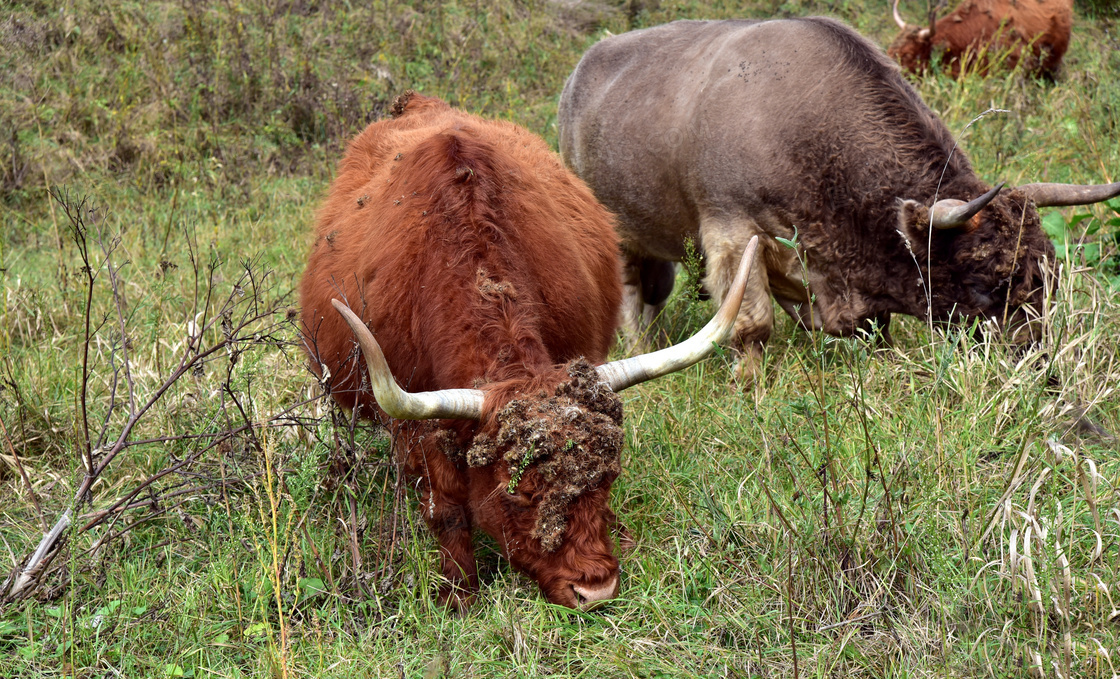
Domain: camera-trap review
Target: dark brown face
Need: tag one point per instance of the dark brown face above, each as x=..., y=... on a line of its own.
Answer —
x=912, y=49
x=579, y=572
x=994, y=267
x=551, y=463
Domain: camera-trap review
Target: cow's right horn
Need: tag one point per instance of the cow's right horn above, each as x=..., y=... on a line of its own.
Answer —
x=951, y=213
x=451, y=404
x=1053, y=195
x=630, y=371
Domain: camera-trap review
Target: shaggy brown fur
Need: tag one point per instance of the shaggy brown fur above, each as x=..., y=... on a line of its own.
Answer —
x=479, y=261
x=791, y=129
x=573, y=438
x=1036, y=31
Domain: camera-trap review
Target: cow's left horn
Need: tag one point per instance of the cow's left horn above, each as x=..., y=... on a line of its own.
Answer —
x=1053, y=195
x=898, y=17
x=451, y=404
x=630, y=371
x=951, y=213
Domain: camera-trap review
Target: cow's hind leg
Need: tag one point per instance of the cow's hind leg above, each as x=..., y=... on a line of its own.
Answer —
x=723, y=242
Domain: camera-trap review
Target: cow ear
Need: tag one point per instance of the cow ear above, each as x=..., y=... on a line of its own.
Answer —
x=913, y=223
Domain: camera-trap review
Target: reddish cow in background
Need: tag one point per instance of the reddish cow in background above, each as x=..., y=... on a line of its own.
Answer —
x=988, y=29
x=490, y=276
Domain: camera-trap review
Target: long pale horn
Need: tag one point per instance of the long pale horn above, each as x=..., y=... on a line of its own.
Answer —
x=951, y=213
x=1053, y=195
x=452, y=404
x=630, y=371
x=898, y=17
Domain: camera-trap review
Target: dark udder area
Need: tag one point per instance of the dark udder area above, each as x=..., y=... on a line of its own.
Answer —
x=572, y=438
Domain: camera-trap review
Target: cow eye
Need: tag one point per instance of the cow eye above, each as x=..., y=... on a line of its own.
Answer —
x=520, y=498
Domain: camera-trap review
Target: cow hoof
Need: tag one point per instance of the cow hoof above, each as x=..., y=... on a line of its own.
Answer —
x=748, y=368
x=456, y=599
x=626, y=542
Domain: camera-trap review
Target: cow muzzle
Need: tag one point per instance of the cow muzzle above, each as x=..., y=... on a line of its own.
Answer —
x=589, y=597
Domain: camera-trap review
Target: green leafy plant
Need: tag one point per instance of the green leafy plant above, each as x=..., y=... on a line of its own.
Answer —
x=1085, y=239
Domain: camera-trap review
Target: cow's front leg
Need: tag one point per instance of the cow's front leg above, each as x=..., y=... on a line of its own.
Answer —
x=626, y=542
x=723, y=242
x=452, y=527
x=443, y=504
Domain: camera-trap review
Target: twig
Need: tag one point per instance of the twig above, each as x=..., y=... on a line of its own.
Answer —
x=38, y=561
x=22, y=473
x=851, y=621
x=114, y=283
x=78, y=229
x=789, y=604
x=830, y=466
x=100, y=515
x=325, y=568
x=828, y=498
x=155, y=514
x=872, y=450
x=355, y=553
x=191, y=357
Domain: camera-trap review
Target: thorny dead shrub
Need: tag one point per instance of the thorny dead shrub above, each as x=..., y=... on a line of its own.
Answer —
x=120, y=390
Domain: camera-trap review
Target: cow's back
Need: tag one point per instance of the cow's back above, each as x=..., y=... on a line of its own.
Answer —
x=620, y=119
x=466, y=247
x=765, y=118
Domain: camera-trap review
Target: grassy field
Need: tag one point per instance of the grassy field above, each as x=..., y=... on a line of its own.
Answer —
x=942, y=508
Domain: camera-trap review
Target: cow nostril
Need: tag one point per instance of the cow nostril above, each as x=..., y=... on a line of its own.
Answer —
x=580, y=601
x=591, y=597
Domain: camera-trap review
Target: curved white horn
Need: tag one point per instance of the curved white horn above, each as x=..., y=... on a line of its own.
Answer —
x=1051, y=195
x=951, y=213
x=452, y=404
x=898, y=17
x=630, y=371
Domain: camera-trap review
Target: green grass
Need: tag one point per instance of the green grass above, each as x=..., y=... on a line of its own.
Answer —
x=853, y=513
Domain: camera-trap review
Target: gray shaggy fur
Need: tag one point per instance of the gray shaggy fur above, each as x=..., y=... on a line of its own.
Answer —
x=719, y=130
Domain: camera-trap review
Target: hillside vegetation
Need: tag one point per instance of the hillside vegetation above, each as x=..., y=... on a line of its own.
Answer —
x=946, y=507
